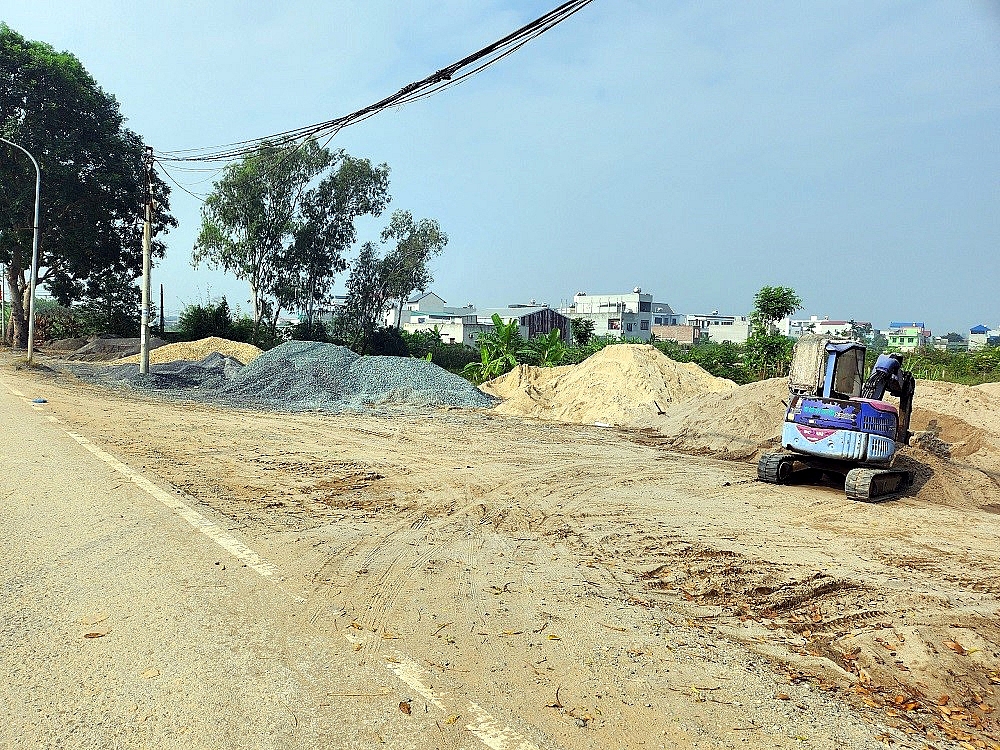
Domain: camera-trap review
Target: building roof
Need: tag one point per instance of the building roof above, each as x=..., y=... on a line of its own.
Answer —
x=979, y=329
x=663, y=308
x=510, y=312
x=420, y=296
x=906, y=324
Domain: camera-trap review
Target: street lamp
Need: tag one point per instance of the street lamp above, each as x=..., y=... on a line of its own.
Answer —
x=34, y=250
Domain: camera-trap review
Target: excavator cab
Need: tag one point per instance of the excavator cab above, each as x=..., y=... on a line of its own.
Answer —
x=838, y=422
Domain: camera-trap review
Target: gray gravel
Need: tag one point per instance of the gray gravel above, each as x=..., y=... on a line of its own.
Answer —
x=300, y=376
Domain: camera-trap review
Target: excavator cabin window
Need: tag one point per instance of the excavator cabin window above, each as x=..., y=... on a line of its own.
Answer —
x=848, y=374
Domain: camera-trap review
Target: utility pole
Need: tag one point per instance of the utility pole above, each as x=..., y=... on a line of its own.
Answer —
x=162, y=319
x=34, y=250
x=147, y=261
x=3, y=305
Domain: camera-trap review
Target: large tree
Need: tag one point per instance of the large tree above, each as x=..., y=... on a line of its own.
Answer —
x=407, y=265
x=252, y=215
x=281, y=219
x=353, y=188
x=94, y=182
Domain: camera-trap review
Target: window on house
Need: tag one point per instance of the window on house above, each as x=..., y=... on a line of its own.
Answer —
x=659, y=321
x=643, y=325
x=628, y=326
x=645, y=306
x=614, y=324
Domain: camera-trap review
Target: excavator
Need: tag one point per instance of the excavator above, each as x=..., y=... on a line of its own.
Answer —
x=839, y=424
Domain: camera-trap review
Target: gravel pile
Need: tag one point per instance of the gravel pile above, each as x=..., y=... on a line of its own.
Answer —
x=207, y=375
x=298, y=376
x=306, y=375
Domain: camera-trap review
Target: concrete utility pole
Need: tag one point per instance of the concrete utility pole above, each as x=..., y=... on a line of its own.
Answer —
x=34, y=251
x=147, y=260
x=3, y=304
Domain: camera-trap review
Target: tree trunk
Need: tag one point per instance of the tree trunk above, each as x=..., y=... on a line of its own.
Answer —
x=18, y=301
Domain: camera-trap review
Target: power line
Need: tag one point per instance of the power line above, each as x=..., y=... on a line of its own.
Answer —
x=444, y=78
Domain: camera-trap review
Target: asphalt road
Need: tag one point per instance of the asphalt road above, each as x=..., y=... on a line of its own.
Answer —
x=129, y=619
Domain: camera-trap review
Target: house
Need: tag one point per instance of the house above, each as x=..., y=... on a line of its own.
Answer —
x=907, y=336
x=943, y=343
x=427, y=311
x=796, y=328
x=663, y=315
x=980, y=336
x=623, y=316
x=679, y=333
x=719, y=328
x=533, y=319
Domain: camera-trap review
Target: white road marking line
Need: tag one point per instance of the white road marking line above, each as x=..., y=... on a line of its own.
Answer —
x=52, y=419
x=484, y=726
x=229, y=543
x=17, y=392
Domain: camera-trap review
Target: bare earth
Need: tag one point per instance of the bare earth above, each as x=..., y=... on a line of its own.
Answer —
x=533, y=584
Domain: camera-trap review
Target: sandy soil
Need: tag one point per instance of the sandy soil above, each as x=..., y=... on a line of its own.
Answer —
x=598, y=589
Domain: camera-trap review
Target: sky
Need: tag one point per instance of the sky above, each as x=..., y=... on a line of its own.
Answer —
x=698, y=150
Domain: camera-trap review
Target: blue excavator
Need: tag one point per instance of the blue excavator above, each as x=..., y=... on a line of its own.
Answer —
x=838, y=423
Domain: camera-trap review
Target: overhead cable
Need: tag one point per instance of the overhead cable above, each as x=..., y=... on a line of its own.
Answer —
x=444, y=78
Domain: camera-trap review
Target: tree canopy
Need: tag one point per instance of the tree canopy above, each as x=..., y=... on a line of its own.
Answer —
x=93, y=180
x=281, y=219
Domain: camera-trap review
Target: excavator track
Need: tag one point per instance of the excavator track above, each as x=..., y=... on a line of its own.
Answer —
x=775, y=468
x=871, y=485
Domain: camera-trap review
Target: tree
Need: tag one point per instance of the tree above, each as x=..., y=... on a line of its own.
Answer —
x=499, y=350
x=583, y=330
x=771, y=304
x=406, y=267
x=768, y=354
x=954, y=338
x=547, y=350
x=354, y=188
x=94, y=183
x=252, y=215
x=367, y=298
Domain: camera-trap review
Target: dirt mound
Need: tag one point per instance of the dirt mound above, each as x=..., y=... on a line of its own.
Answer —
x=623, y=384
x=735, y=425
x=195, y=351
x=64, y=345
x=106, y=349
x=523, y=378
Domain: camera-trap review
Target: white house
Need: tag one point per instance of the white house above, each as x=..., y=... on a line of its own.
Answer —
x=719, y=328
x=621, y=315
x=797, y=327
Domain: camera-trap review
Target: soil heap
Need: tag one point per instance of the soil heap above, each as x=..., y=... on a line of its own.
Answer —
x=106, y=349
x=625, y=384
x=193, y=351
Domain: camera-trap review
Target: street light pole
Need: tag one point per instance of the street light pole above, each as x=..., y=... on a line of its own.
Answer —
x=34, y=250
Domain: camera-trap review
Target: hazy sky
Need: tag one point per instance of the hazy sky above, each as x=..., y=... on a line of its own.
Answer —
x=699, y=150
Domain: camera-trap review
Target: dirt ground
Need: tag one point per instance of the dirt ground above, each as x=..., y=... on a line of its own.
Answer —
x=594, y=588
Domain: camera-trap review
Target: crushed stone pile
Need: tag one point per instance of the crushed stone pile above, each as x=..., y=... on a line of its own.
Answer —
x=208, y=374
x=306, y=375
x=297, y=376
x=192, y=351
x=105, y=349
x=625, y=384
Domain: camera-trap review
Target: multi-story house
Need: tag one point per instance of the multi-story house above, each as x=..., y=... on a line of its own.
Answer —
x=623, y=316
x=907, y=336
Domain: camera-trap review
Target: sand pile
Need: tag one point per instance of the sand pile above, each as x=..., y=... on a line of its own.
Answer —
x=624, y=384
x=738, y=424
x=195, y=351
x=523, y=378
